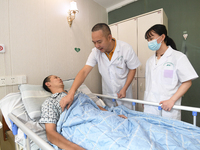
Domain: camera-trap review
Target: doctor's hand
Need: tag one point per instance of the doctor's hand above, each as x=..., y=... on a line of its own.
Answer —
x=167, y=104
x=66, y=100
x=121, y=94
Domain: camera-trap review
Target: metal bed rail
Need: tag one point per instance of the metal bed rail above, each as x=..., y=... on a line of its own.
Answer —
x=194, y=110
x=30, y=134
x=44, y=145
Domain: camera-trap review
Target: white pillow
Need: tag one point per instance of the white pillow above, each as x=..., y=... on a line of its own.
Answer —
x=34, y=95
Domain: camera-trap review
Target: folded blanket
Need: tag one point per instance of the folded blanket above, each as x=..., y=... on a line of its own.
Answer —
x=86, y=125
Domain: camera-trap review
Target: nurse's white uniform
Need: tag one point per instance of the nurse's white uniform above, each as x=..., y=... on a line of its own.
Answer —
x=164, y=78
x=114, y=73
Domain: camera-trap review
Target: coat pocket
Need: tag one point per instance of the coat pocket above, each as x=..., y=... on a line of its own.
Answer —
x=167, y=76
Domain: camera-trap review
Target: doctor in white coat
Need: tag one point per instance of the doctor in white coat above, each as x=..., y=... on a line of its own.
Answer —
x=169, y=73
x=117, y=63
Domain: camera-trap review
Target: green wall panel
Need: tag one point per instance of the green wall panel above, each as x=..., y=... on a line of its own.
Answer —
x=183, y=15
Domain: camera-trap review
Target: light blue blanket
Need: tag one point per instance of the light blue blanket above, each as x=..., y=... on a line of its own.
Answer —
x=86, y=125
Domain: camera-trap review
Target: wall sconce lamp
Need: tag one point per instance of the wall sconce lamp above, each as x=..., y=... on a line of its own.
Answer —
x=72, y=11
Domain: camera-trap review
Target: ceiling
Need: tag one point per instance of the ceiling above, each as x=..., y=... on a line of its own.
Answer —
x=113, y=4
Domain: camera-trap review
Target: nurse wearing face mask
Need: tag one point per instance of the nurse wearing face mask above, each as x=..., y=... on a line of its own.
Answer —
x=169, y=73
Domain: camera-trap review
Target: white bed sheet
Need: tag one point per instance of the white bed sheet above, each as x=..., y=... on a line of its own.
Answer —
x=8, y=103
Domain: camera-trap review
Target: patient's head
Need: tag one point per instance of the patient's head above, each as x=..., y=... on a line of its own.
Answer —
x=47, y=79
x=53, y=84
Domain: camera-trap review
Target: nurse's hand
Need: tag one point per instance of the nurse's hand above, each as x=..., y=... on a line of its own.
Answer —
x=66, y=100
x=167, y=104
x=121, y=94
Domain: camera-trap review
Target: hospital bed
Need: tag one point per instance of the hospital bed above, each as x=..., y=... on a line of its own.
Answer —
x=21, y=112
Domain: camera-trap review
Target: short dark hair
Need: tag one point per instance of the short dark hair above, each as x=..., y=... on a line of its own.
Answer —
x=47, y=79
x=102, y=26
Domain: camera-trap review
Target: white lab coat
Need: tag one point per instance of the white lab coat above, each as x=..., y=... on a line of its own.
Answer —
x=164, y=78
x=114, y=73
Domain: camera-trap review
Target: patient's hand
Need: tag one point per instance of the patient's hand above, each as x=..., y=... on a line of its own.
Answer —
x=67, y=100
x=103, y=109
x=122, y=116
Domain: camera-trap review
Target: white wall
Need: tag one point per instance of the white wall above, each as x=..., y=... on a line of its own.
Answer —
x=39, y=41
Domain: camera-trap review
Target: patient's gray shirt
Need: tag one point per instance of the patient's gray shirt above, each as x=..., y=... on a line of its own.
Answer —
x=51, y=109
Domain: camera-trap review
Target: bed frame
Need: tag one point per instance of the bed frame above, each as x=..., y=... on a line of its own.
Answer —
x=5, y=128
x=194, y=110
x=44, y=145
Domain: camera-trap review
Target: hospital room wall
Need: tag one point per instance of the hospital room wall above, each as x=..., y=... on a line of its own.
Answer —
x=183, y=15
x=39, y=41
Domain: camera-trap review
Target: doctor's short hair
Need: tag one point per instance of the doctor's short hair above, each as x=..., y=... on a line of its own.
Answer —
x=47, y=79
x=102, y=26
x=160, y=29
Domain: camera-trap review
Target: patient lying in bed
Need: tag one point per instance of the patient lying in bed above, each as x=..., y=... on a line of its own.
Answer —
x=51, y=111
x=90, y=128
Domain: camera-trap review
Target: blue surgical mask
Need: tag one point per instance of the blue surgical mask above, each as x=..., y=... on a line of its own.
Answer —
x=154, y=45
